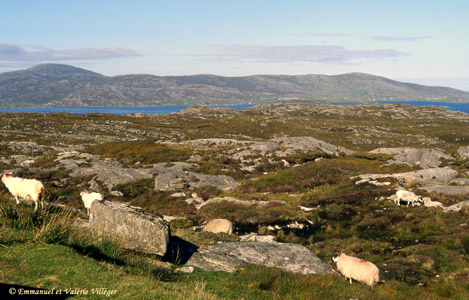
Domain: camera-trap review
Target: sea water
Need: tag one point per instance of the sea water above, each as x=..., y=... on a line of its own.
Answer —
x=464, y=107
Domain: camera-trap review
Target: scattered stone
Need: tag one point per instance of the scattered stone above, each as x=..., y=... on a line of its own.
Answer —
x=253, y=237
x=116, y=193
x=296, y=225
x=463, y=152
x=195, y=158
x=237, y=201
x=131, y=226
x=219, y=226
x=457, y=206
x=178, y=195
x=427, y=202
x=228, y=256
x=171, y=218
x=198, y=200
x=307, y=208
x=188, y=269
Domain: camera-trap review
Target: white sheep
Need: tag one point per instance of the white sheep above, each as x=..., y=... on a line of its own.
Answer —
x=357, y=269
x=409, y=197
x=25, y=189
x=89, y=198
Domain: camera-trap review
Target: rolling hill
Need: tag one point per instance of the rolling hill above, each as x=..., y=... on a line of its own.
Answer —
x=64, y=85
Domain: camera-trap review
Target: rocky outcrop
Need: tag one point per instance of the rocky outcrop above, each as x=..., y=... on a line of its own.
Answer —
x=447, y=189
x=228, y=256
x=22, y=160
x=108, y=172
x=307, y=143
x=425, y=158
x=222, y=182
x=178, y=179
x=130, y=226
x=421, y=176
x=265, y=147
x=219, y=226
x=170, y=181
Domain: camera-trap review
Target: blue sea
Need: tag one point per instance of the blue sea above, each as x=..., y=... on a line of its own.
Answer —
x=114, y=110
x=464, y=107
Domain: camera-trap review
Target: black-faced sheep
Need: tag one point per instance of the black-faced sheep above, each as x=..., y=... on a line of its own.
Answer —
x=357, y=269
x=25, y=189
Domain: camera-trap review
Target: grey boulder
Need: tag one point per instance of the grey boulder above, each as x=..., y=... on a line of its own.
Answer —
x=131, y=226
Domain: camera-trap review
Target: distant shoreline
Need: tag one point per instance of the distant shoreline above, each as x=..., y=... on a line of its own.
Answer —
x=462, y=107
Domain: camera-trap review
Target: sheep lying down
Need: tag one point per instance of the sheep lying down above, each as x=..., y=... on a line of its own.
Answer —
x=25, y=189
x=357, y=269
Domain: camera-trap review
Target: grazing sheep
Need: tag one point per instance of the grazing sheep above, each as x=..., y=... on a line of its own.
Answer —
x=89, y=198
x=409, y=197
x=26, y=189
x=357, y=269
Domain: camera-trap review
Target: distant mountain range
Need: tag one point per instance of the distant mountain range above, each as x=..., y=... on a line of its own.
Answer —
x=64, y=85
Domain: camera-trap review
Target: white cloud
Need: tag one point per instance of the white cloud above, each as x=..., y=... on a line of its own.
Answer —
x=11, y=54
x=301, y=53
x=400, y=38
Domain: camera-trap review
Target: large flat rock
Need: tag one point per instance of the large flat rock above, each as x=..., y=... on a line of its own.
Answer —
x=228, y=256
x=133, y=228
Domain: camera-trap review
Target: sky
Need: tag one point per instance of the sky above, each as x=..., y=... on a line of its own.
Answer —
x=415, y=41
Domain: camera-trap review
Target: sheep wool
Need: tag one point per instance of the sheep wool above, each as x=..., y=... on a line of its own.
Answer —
x=357, y=269
x=25, y=189
x=88, y=198
x=409, y=197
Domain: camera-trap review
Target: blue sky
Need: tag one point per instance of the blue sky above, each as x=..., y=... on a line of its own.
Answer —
x=426, y=41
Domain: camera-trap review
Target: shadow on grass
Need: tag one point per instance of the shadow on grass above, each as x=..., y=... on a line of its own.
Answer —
x=96, y=253
x=15, y=291
x=179, y=251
